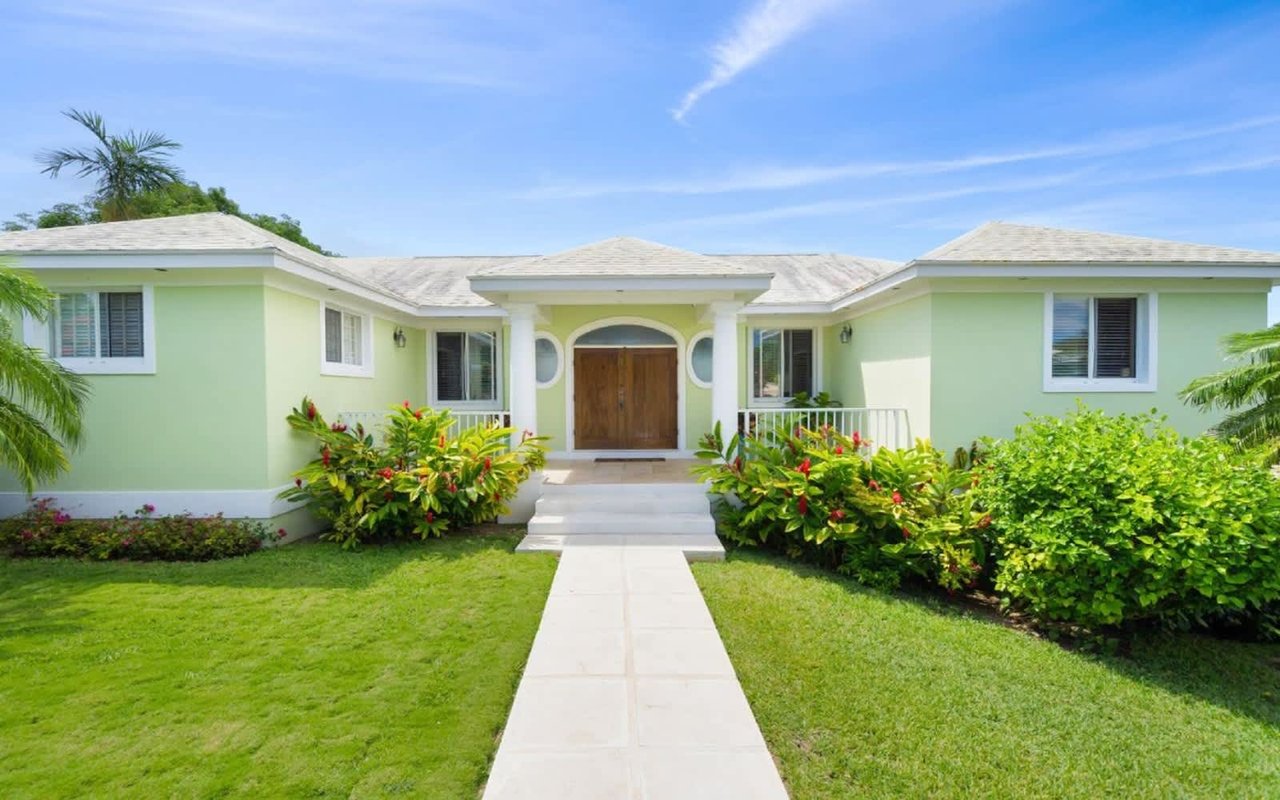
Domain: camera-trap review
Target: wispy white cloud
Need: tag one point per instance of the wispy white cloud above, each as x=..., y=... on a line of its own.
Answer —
x=763, y=28
x=448, y=42
x=765, y=178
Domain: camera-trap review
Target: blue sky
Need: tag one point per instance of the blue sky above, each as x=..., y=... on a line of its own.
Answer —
x=874, y=128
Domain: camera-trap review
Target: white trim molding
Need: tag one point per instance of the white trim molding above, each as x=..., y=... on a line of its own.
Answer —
x=1146, y=348
x=693, y=342
x=236, y=503
x=570, y=343
x=343, y=370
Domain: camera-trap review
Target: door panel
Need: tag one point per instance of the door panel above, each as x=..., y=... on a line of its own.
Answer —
x=649, y=409
x=625, y=398
x=596, y=411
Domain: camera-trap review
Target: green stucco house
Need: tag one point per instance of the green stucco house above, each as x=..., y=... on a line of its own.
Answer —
x=201, y=331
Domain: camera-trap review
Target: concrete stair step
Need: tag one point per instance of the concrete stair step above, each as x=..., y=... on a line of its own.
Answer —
x=623, y=489
x=613, y=522
x=695, y=547
x=631, y=503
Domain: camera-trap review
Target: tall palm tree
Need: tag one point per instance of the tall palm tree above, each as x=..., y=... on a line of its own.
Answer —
x=40, y=400
x=124, y=166
x=1250, y=390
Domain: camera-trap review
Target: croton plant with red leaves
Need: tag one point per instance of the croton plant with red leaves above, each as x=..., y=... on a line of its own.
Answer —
x=423, y=478
x=876, y=514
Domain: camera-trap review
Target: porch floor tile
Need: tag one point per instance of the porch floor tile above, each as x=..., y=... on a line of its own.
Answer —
x=629, y=693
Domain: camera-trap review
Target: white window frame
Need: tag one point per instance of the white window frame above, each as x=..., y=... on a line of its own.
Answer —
x=1145, y=347
x=37, y=334
x=548, y=336
x=778, y=402
x=365, y=368
x=498, y=369
x=688, y=360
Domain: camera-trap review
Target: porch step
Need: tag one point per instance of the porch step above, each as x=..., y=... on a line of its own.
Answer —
x=630, y=514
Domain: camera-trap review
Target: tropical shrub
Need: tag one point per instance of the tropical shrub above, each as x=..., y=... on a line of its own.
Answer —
x=1106, y=520
x=47, y=531
x=421, y=480
x=821, y=495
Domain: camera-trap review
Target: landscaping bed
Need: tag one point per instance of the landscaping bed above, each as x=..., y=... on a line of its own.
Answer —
x=291, y=672
x=862, y=693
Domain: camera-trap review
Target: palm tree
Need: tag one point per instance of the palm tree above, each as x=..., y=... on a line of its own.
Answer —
x=124, y=166
x=40, y=400
x=1250, y=390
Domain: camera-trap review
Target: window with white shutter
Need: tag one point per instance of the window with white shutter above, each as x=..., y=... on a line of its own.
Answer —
x=1100, y=343
x=347, y=350
x=466, y=367
x=99, y=331
x=783, y=363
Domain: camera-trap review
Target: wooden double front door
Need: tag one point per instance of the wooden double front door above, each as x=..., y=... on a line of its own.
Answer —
x=624, y=398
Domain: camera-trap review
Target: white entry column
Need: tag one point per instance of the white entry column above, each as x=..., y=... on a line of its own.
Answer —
x=724, y=367
x=524, y=388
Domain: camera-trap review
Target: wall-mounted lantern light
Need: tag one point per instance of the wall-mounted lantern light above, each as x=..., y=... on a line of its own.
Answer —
x=399, y=338
x=846, y=334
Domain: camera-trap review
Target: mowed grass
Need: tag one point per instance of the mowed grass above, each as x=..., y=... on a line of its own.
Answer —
x=299, y=672
x=862, y=694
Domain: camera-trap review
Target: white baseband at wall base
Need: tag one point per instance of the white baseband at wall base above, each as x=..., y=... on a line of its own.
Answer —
x=239, y=503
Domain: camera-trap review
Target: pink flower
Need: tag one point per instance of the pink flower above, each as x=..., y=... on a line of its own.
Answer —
x=61, y=517
x=148, y=508
x=311, y=410
x=839, y=450
x=406, y=403
x=873, y=485
x=857, y=439
x=897, y=499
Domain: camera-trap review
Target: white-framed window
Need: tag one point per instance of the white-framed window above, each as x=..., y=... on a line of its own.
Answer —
x=101, y=331
x=1100, y=342
x=784, y=363
x=346, y=342
x=466, y=368
x=701, y=353
x=548, y=358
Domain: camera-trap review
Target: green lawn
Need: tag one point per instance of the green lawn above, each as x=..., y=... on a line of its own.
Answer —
x=861, y=694
x=299, y=672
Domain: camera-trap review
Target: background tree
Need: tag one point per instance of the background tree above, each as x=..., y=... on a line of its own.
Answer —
x=40, y=400
x=1249, y=391
x=124, y=166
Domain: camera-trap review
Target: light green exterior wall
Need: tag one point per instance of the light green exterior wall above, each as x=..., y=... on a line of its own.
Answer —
x=292, y=368
x=988, y=359
x=197, y=423
x=564, y=320
x=887, y=363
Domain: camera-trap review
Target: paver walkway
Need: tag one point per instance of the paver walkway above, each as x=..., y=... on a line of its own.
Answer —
x=629, y=693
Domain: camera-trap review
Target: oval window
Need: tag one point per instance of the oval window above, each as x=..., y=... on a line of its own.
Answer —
x=700, y=357
x=546, y=357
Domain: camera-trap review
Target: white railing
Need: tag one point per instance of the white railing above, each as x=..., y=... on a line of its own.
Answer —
x=884, y=427
x=462, y=420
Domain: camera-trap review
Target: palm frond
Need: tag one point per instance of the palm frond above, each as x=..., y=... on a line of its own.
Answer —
x=20, y=293
x=46, y=389
x=1249, y=391
x=27, y=447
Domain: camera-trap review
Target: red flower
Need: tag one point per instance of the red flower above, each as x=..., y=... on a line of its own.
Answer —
x=453, y=488
x=387, y=495
x=417, y=415
x=126, y=541
x=280, y=533
x=325, y=456
x=442, y=440
x=952, y=568
x=297, y=482
x=897, y=499
x=803, y=506
x=488, y=464
x=839, y=450
x=338, y=427
x=803, y=469
x=737, y=464
x=431, y=517
x=387, y=473
x=497, y=497
x=873, y=486
x=311, y=410
x=837, y=515
x=985, y=522
x=857, y=439
x=406, y=403
x=906, y=534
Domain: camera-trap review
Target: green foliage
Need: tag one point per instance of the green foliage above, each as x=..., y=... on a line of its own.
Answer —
x=123, y=166
x=1250, y=390
x=817, y=494
x=819, y=400
x=45, y=531
x=422, y=480
x=1115, y=520
x=40, y=400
